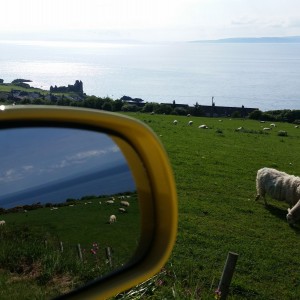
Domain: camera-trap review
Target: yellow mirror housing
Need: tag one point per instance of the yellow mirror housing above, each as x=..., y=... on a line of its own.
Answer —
x=153, y=177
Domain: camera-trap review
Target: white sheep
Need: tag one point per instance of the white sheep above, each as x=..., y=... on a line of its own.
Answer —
x=175, y=122
x=273, y=125
x=125, y=203
x=2, y=222
x=110, y=202
x=279, y=185
x=190, y=123
x=203, y=126
x=266, y=129
x=112, y=219
x=293, y=213
x=122, y=210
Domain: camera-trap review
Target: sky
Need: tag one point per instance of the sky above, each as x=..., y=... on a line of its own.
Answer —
x=148, y=20
x=34, y=156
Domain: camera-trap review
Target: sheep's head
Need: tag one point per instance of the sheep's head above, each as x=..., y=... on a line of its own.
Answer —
x=290, y=218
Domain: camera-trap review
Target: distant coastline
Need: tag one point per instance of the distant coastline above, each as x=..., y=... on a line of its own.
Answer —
x=288, y=39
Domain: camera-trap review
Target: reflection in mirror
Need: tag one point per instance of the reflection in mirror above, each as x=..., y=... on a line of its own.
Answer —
x=68, y=210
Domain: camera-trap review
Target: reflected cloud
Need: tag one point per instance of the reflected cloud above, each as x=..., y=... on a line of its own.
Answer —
x=12, y=175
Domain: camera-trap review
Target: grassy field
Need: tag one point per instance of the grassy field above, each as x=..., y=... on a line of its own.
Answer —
x=215, y=172
x=32, y=263
x=7, y=87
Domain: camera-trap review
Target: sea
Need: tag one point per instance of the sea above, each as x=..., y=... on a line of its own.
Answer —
x=256, y=75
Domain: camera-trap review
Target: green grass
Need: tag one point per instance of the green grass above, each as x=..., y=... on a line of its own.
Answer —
x=31, y=252
x=215, y=172
x=7, y=87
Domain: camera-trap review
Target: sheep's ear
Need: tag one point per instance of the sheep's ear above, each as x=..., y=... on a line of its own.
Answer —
x=289, y=210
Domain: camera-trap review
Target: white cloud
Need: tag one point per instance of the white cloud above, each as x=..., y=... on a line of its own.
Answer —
x=83, y=157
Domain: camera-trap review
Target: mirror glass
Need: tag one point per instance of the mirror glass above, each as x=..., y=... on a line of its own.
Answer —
x=68, y=209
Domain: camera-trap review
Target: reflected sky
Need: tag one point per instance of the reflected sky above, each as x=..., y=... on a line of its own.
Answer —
x=31, y=157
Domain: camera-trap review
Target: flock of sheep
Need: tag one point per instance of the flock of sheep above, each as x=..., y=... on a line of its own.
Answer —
x=123, y=209
x=112, y=219
x=278, y=185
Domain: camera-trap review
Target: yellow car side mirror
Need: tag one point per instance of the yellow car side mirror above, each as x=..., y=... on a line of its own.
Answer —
x=97, y=181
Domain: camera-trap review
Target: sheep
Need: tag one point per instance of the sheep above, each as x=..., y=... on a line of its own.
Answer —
x=279, y=185
x=122, y=210
x=112, y=219
x=2, y=222
x=190, y=123
x=293, y=214
x=273, y=125
x=175, y=122
x=203, y=126
x=266, y=129
x=109, y=202
x=125, y=203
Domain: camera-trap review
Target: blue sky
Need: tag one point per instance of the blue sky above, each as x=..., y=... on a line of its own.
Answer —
x=149, y=20
x=35, y=156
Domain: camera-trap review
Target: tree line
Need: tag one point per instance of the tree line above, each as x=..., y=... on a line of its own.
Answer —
x=121, y=105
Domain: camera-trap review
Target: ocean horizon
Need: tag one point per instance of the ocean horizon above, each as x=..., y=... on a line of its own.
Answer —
x=253, y=75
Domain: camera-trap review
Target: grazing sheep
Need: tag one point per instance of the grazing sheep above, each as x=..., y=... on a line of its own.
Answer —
x=110, y=202
x=282, y=133
x=293, y=214
x=112, y=219
x=2, y=222
x=190, y=123
x=279, y=185
x=175, y=122
x=122, y=210
x=240, y=128
x=203, y=126
x=266, y=129
x=125, y=203
x=272, y=125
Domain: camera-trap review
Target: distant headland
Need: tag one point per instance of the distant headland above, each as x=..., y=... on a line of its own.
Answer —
x=288, y=39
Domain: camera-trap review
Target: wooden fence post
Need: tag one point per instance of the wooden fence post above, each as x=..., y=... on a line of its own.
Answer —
x=223, y=288
x=79, y=251
x=108, y=255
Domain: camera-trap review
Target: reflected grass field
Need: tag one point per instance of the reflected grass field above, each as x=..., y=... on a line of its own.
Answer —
x=40, y=247
x=215, y=172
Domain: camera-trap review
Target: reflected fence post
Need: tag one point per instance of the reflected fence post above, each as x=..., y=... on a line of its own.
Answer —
x=79, y=252
x=108, y=255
